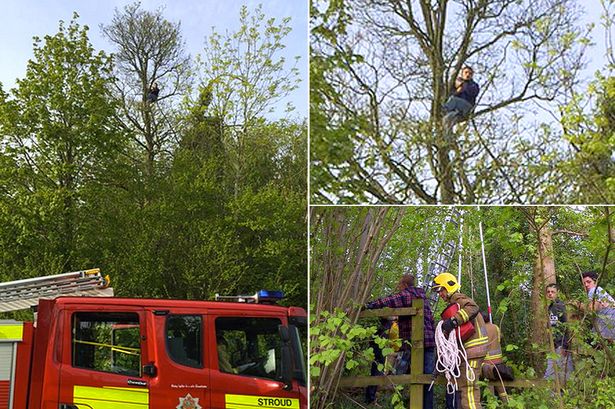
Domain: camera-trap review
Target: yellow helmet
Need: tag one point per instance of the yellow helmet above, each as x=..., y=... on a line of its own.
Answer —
x=447, y=281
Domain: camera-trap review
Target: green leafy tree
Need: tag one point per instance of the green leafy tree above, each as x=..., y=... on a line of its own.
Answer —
x=382, y=72
x=248, y=80
x=592, y=137
x=59, y=137
x=150, y=50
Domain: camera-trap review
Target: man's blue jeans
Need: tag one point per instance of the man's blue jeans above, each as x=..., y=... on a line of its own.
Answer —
x=428, y=367
x=370, y=391
x=455, y=110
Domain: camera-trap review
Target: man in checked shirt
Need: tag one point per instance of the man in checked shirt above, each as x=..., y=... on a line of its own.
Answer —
x=407, y=293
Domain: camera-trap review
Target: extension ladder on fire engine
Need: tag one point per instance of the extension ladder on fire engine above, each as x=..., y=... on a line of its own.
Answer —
x=23, y=294
x=442, y=252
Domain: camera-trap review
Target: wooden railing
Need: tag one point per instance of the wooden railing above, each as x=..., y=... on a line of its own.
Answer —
x=416, y=379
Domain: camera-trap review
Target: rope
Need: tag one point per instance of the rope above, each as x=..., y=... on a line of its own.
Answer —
x=501, y=380
x=450, y=358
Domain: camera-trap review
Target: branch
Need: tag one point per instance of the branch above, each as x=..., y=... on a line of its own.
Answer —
x=570, y=233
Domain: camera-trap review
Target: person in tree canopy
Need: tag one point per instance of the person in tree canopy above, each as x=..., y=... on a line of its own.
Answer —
x=152, y=94
x=462, y=100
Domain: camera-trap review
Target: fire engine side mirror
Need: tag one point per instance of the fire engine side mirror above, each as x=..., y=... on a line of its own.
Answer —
x=149, y=369
x=286, y=365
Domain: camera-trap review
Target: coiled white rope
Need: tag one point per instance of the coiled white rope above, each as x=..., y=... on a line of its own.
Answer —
x=450, y=358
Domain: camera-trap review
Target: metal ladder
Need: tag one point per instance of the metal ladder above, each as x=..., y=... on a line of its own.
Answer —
x=23, y=294
x=442, y=253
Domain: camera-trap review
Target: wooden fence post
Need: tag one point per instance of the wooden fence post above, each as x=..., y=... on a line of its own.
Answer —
x=418, y=353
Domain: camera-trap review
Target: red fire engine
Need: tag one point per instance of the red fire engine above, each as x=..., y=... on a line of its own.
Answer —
x=103, y=353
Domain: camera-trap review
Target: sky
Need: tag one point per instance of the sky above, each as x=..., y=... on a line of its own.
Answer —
x=597, y=55
x=24, y=19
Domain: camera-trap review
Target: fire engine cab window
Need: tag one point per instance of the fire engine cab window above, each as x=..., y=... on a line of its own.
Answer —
x=184, y=339
x=107, y=342
x=249, y=346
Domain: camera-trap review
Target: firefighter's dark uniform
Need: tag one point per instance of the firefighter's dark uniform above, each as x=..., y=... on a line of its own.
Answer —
x=475, y=346
x=493, y=358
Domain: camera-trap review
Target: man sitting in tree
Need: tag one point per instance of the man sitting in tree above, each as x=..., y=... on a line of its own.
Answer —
x=152, y=93
x=462, y=100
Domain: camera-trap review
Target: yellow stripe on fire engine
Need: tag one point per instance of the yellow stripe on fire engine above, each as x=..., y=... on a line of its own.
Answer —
x=14, y=332
x=109, y=397
x=251, y=402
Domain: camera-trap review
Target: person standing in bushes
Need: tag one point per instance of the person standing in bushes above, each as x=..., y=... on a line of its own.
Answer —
x=557, y=321
x=407, y=292
x=602, y=303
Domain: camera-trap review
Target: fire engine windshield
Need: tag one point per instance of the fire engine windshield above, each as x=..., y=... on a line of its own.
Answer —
x=249, y=346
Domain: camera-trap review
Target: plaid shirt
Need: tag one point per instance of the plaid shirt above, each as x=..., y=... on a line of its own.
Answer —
x=404, y=299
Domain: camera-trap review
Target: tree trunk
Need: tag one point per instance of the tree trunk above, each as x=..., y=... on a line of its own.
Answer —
x=544, y=274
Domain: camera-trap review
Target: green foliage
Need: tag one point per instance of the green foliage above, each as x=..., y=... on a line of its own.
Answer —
x=335, y=339
x=244, y=71
x=334, y=336
x=580, y=243
x=59, y=138
x=77, y=193
x=593, y=138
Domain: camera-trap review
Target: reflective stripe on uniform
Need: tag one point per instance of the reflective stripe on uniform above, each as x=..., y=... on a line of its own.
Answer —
x=254, y=401
x=493, y=357
x=471, y=400
x=464, y=315
x=11, y=332
x=476, y=342
x=109, y=397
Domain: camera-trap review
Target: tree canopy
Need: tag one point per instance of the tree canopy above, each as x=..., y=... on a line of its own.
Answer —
x=382, y=70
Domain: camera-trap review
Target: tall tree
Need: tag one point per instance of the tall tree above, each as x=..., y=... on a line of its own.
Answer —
x=592, y=165
x=539, y=220
x=248, y=80
x=386, y=70
x=59, y=136
x=150, y=50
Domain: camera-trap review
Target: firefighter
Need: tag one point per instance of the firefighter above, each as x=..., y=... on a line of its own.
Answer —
x=393, y=335
x=476, y=345
x=493, y=367
x=224, y=361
